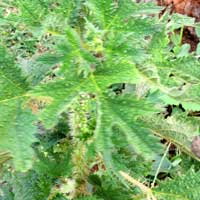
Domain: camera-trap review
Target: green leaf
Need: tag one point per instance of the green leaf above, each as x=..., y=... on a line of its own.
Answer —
x=119, y=116
x=198, y=49
x=117, y=15
x=178, y=130
x=16, y=123
x=184, y=187
x=184, y=51
x=17, y=133
x=178, y=21
x=177, y=79
x=197, y=29
x=30, y=185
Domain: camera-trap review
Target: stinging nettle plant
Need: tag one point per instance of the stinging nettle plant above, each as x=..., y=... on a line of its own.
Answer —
x=107, y=51
x=92, y=61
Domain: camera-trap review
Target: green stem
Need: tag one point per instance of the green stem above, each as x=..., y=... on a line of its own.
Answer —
x=181, y=35
x=160, y=164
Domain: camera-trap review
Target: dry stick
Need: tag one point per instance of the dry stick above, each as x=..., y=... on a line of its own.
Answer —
x=142, y=187
x=160, y=164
